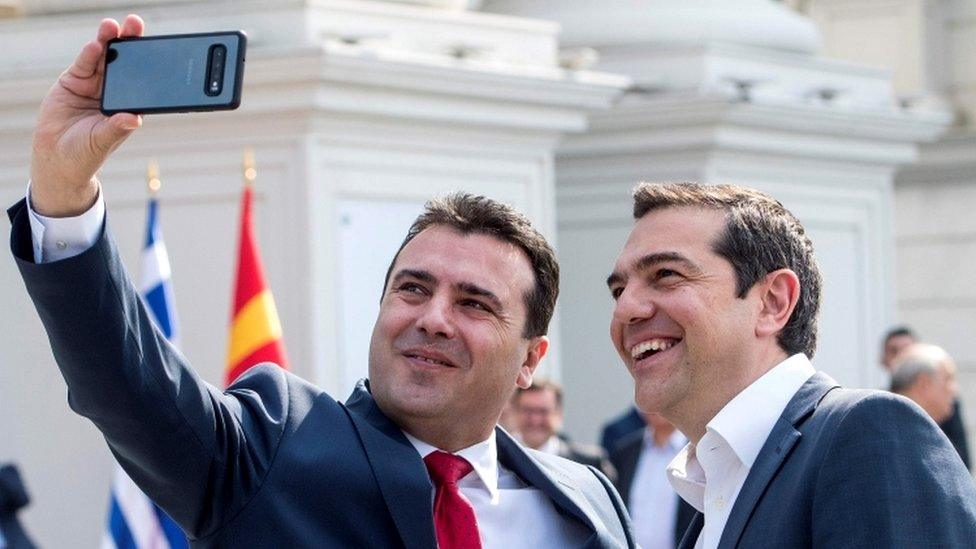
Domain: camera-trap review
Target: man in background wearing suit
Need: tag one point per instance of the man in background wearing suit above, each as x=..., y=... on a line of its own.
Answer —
x=539, y=409
x=895, y=341
x=926, y=374
x=717, y=293
x=412, y=459
x=641, y=458
x=620, y=427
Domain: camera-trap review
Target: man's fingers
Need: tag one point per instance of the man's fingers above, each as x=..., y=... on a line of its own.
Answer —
x=90, y=57
x=88, y=60
x=108, y=133
x=132, y=26
x=107, y=30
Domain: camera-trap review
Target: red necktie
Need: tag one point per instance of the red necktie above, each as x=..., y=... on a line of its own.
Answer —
x=454, y=520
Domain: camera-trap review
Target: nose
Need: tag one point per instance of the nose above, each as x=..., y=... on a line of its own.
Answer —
x=633, y=306
x=435, y=319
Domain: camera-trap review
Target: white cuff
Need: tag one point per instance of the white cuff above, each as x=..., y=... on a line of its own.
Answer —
x=56, y=238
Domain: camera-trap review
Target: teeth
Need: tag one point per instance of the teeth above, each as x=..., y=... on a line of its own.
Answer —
x=651, y=345
x=430, y=360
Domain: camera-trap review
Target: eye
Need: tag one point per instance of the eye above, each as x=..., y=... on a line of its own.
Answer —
x=615, y=293
x=411, y=288
x=665, y=273
x=475, y=304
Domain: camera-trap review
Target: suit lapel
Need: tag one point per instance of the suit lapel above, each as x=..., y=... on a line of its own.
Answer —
x=399, y=471
x=560, y=488
x=776, y=449
x=690, y=538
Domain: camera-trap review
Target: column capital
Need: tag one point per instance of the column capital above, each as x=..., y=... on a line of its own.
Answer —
x=596, y=23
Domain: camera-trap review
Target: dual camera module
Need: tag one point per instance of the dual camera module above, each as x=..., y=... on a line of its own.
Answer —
x=216, y=59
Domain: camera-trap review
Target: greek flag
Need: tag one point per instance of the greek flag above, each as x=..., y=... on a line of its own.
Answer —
x=134, y=522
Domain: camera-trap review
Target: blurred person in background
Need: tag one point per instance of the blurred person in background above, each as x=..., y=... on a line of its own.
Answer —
x=13, y=498
x=895, y=341
x=509, y=418
x=927, y=375
x=620, y=427
x=641, y=459
x=539, y=410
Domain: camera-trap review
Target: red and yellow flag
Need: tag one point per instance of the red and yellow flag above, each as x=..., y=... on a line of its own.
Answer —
x=255, y=331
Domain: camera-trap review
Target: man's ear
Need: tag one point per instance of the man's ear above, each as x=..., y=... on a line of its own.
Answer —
x=538, y=347
x=779, y=292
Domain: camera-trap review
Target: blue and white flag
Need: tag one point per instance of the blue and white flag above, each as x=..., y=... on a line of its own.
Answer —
x=135, y=522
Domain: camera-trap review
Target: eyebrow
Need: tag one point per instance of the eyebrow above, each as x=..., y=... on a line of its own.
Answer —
x=474, y=289
x=464, y=287
x=650, y=260
x=423, y=276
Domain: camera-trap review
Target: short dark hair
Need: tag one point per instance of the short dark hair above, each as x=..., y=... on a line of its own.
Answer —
x=760, y=236
x=539, y=385
x=899, y=331
x=467, y=214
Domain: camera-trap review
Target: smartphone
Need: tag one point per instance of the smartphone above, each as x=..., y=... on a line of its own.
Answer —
x=174, y=73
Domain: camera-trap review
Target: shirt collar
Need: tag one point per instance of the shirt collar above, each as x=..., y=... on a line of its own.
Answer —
x=687, y=477
x=746, y=421
x=483, y=457
x=743, y=425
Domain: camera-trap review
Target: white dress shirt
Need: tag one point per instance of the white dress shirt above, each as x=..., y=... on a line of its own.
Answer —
x=653, y=504
x=57, y=238
x=510, y=513
x=709, y=475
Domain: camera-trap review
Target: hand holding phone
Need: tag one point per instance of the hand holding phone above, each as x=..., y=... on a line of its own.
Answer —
x=72, y=138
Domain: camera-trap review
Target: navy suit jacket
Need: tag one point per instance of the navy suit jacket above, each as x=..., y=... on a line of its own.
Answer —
x=851, y=468
x=619, y=427
x=273, y=461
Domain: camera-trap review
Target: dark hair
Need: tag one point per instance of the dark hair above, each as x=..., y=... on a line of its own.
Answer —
x=466, y=214
x=539, y=385
x=760, y=236
x=900, y=331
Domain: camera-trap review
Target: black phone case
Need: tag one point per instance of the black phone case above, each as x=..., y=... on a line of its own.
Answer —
x=143, y=80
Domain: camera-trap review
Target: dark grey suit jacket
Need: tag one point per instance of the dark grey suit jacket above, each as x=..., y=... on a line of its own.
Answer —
x=272, y=461
x=852, y=468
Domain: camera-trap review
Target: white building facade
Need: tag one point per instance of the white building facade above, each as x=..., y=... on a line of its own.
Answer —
x=359, y=110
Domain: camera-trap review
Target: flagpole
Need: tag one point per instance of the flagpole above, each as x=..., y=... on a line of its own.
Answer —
x=249, y=169
x=152, y=177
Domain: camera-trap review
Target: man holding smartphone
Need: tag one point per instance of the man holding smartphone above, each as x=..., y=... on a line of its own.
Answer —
x=412, y=459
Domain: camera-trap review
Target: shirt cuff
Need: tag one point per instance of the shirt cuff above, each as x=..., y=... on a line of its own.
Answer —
x=56, y=238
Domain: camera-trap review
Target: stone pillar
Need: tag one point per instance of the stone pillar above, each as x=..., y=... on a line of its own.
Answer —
x=729, y=91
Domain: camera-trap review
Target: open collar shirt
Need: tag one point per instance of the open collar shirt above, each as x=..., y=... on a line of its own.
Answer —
x=710, y=474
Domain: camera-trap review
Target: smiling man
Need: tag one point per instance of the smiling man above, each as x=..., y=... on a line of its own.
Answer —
x=412, y=459
x=717, y=293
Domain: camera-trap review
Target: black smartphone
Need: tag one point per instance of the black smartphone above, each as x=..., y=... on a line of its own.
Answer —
x=174, y=73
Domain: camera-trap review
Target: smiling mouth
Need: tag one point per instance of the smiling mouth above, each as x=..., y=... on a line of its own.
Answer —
x=651, y=347
x=428, y=360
